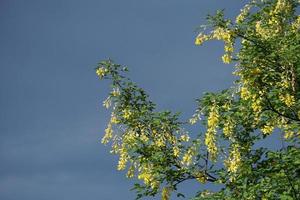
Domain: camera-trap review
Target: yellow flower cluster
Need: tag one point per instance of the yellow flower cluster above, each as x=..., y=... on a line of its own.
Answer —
x=273, y=26
x=288, y=99
x=129, y=137
x=114, y=119
x=123, y=159
x=243, y=14
x=282, y=6
x=222, y=34
x=115, y=92
x=256, y=104
x=101, y=72
x=262, y=31
x=289, y=134
x=127, y=113
x=210, y=136
x=166, y=193
x=228, y=128
x=176, y=151
x=185, y=137
x=147, y=176
x=296, y=25
x=226, y=58
x=201, y=38
x=143, y=137
x=200, y=176
x=108, y=134
x=284, y=84
x=286, y=127
x=160, y=142
x=130, y=172
x=245, y=94
x=107, y=102
x=233, y=162
x=267, y=129
x=188, y=157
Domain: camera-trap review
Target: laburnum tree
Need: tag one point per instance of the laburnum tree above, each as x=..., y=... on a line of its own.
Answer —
x=263, y=45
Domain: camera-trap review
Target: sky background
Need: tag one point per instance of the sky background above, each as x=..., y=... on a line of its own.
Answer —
x=51, y=118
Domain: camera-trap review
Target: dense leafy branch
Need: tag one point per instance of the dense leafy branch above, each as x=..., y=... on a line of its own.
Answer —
x=153, y=146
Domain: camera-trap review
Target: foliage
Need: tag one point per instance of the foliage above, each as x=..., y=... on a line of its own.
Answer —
x=264, y=43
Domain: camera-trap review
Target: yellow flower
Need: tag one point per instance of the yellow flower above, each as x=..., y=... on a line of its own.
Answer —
x=245, y=94
x=200, y=176
x=127, y=114
x=176, y=151
x=256, y=105
x=210, y=136
x=160, y=142
x=267, y=129
x=101, y=72
x=107, y=102
x=114, y=119
x=165, y=194
x=228, y=128
x=288, y=99
x=130, y=172
x=228, y=47
x=123, y=159
x=288, y=134
x=233, y=162
x=108, y=134
x=226, y=58
x=144, y=137
x=115, y=92
x=200, y=39
x=185, y=138
x=244, y=12
x=187, y=158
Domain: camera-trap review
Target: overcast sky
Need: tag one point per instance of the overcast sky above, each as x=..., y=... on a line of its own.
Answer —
x=51, y=118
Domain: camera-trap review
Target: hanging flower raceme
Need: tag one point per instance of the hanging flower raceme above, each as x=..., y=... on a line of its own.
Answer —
x=210, y=136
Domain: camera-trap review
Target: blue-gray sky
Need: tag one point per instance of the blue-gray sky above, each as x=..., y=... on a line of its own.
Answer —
x=51, y=119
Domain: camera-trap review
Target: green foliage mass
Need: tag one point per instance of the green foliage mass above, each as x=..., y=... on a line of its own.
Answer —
x=263, y=44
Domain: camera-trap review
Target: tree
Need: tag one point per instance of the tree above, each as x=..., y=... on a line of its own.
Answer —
x=264, y=43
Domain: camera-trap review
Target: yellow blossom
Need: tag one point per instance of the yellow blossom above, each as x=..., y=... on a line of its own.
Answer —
x=107, y=102
x=245, y=94
x=176, y=151
x=288, y=99
x=267, y=129
x=165, y=194
x=101, y=71
x=288, y=134
x=244, y=12
x=122, y=159
x=210, y=136
x=256, y=105
x=160, y=142
x=108, y=134
x=226, y=58
x=234, y=160
x=200, y=39
x=130, y=172
x=114, y=119
x=185, y=138
x=127, y=113
x=147, y=176
x=187, y=158
x=228, y=128
x=144, y=137
x=115, y=92
x=200, y=176
x=228, y=47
